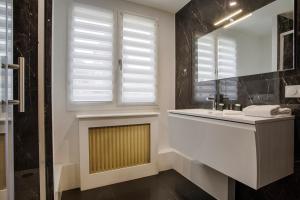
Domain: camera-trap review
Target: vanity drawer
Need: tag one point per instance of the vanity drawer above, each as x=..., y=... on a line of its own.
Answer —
x=255, y=155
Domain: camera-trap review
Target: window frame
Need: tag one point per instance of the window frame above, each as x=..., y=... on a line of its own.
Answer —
x=116, y=103
x=120, y=59
x=216, y=55
x=74, y=105
x=196, y=82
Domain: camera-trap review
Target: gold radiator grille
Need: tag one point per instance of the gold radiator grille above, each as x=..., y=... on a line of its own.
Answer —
x=2, y=162
x=118, y=147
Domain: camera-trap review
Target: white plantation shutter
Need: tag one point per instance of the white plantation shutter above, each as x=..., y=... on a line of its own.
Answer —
x=226, y=58
x=138, y=60
x=216, y=58
x=91, y=55
x=227, y=64
x=205, y=57
x=205, y=70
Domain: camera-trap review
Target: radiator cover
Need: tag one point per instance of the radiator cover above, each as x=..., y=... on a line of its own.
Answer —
x=118, y=147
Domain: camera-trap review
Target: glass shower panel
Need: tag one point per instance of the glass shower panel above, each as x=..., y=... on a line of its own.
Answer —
x=6, y=109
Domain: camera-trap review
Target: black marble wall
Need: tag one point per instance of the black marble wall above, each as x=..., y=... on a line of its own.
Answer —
x=26, y=140
x=197, y=18
x=26, y=136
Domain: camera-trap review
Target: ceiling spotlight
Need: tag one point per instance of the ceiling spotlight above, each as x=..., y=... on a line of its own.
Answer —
x=232, y=3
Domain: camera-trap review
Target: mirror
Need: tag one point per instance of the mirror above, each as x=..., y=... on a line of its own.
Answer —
x=248, y=43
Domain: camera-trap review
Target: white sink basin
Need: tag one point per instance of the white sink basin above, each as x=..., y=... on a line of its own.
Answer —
x=203, y=111
x=214, y=112
x=232, y=112
x=211, y=112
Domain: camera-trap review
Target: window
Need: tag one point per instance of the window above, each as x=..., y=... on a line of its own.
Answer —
x=92, y=73
x=227, y=63
x=216, y=59
x=91, y=55
x=139, y=60
x=226, y=58
x=206, y=58
x=205, y=70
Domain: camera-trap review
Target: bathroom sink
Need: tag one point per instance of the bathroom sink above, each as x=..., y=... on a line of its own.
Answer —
x=209, y=112
x=201, y=111
x=232, y=112
x=217, y=112
x=214, y=112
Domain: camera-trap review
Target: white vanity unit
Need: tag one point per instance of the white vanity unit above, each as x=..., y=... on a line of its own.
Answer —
x=252, y=150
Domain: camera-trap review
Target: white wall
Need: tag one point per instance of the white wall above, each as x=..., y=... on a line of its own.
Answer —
x=65, y=125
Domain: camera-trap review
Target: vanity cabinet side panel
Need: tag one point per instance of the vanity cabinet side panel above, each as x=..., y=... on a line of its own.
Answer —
x=275, y=151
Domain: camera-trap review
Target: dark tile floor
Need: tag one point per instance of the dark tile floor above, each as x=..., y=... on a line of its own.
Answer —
x=168, y=185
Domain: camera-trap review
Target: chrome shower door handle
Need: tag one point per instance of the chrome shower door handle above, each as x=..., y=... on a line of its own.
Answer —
x=21, y=78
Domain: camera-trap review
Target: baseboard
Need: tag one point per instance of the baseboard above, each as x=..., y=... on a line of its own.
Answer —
x=165, y=159
x=211, y=181
x=3, y=194
x=69, y=177
x=57, y=180
x=57, y=195
x=66, y=177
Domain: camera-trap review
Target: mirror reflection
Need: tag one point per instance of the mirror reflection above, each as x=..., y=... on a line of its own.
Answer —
x=248, y=43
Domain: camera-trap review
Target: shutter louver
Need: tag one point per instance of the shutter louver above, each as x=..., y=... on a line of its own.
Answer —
x=138, y=60
x=226, y=58
x=227, y=64
x=205, y=58
x=215, y=61
x=205, y=70
x=91, y=55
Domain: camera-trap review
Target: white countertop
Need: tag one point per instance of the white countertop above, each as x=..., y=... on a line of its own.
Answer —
x=205, y=113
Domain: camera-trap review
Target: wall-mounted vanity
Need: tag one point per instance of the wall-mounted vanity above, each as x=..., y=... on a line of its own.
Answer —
x=252, y=150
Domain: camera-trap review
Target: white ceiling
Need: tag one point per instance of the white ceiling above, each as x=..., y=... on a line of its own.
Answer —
x=171, y=6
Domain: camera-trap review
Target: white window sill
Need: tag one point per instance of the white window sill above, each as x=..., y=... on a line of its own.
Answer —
x=117, y=115
x=102, y=107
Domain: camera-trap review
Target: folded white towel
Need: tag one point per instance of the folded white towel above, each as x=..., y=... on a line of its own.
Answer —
x=282, y=111
x=266, y=111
